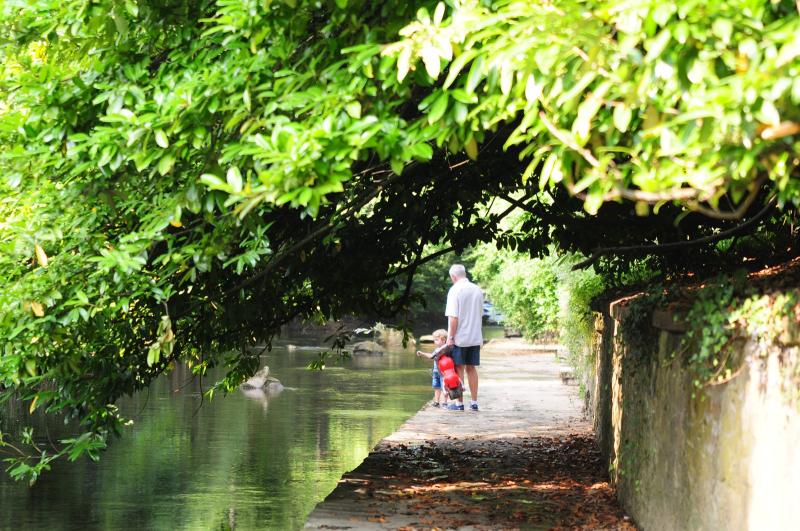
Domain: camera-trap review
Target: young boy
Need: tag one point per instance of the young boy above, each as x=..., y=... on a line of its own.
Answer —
x=440, y=342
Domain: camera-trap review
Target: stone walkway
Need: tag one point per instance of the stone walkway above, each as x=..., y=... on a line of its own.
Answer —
x=525, y=460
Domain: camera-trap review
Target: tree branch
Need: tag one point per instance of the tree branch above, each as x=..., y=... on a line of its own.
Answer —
x=321, y=231
x=514, y=205
x=734, y=214
x=691, y=196
x=673, y=246
x=281, y=256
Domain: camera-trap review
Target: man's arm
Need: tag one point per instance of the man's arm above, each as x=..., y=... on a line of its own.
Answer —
x=452, y=327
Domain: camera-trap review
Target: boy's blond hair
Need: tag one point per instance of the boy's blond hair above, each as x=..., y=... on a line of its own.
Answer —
x=440, y=333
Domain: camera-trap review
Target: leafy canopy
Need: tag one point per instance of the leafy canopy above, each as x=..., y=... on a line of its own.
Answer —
x=182, y=177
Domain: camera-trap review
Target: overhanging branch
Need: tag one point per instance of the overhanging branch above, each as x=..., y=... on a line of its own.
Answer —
x=673, y=246
x=416, y=263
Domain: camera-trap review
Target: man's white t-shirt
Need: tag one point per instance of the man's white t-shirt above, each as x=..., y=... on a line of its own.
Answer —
x=465, y=301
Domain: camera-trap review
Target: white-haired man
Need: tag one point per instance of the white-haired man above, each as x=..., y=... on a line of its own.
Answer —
x=464, y=313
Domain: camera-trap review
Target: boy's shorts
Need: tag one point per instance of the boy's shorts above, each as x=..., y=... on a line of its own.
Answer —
x=467, y=355
x=437, y=380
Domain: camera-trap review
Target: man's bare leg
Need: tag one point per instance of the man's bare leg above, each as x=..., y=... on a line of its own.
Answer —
x=460, y=372
x=472, y=373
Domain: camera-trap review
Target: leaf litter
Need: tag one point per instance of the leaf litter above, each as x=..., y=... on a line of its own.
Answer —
x=537, y=482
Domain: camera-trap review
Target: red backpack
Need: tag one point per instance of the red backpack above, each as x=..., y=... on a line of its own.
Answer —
x=452, y=383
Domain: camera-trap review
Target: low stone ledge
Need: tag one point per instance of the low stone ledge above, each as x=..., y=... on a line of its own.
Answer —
x=669, y=320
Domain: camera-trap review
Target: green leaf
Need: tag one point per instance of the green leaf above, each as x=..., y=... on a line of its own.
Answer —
x=549, y=170
x=622, y=116
x=304, y=196
x=475, y=75
x=161, y=138
x=30, y=366
x=132, y=8
x=463, y=96
x=723, y=29
x=153, y=355
x=427, y=100
x=35, y=400
x=214, y=182
x=14, y=179
x=547, y=57
x=471, y=148
x=533, y=90
x=593, y=202
x=165, y=164
x=457, y=65
x=397, y=166
x=353, y=109
x=133, y=136
x=769, y=114
x=120, y=23
x=582, y=126
x=422, y=151
x=438, y=13
x=657, y=45
x=246, y=99
x=430, y=58
x=460, y=112
x=403, y=63
x=438, y=108
x=41, y=256
x=234, y=179
x=526, y=175
x=105, y=156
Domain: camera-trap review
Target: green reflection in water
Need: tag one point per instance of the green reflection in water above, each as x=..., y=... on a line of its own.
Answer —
x=245, y=461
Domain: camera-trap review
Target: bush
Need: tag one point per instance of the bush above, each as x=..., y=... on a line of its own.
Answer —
x=576, y=289
x=522, y=288
x=542, y=297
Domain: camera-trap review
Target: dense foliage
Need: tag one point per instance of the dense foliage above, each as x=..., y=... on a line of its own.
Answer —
x=524, y=289
x=431, y=282
x=577, y=291
x=182, y=177
x=545, y=299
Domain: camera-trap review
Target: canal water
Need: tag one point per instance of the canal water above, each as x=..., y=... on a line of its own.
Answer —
x=242, y=461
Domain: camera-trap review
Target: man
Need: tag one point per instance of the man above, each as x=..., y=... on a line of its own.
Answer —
x=464, y=312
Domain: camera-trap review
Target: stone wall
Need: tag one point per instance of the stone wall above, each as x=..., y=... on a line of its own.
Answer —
x=722, y=457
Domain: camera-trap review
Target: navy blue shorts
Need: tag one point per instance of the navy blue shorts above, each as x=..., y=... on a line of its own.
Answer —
x=467, y=355
x=437, y=380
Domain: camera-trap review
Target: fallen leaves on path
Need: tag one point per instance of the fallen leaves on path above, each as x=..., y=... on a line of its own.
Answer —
x=524, y=483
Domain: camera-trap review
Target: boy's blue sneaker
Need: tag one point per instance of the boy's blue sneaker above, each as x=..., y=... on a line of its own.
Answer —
x=456, y=407
x=473, y=406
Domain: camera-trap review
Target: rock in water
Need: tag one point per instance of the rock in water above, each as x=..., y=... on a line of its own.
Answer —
x=273, y=385
x=393, y=338
x=368, y=348
x=260, y=379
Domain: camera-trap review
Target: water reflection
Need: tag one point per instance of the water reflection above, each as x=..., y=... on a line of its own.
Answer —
x=261, y=396
x=252, y=460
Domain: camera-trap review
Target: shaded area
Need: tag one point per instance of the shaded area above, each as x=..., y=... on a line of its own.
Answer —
x=530, y=482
